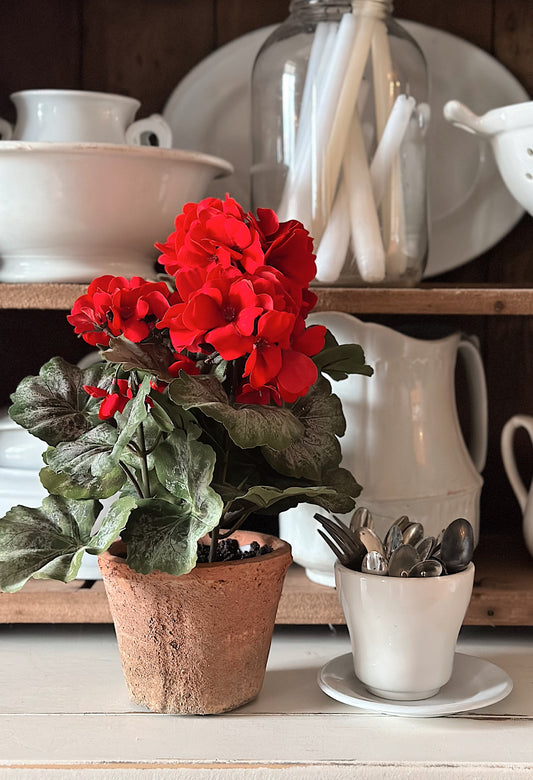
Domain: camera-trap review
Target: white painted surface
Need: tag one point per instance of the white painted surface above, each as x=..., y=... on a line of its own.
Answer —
x=65, y=713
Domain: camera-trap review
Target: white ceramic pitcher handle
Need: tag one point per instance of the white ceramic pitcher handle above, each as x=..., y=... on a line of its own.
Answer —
x=152, y=125
x=477, y=388
x=6, y=130
x=508, y=457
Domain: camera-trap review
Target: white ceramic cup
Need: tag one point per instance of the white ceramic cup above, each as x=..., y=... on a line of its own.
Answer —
x=77, y=116
x=403, y=630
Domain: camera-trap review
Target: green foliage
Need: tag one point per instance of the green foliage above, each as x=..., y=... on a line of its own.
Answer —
x=178, y=462
x=53, y=405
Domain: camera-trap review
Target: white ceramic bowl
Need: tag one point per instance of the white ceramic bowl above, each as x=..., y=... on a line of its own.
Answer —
x=18, y=448
x=70, y=212
x=20, y=486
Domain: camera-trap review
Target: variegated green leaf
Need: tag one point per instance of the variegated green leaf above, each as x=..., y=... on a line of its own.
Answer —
x=53, y=405
x=47, y=542
x=248, y=425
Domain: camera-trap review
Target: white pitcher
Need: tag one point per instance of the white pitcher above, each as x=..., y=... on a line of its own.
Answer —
x=523, y=496
x=403, y=441
x=79, y=116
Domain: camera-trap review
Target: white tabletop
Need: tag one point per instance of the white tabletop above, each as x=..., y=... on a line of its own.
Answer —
x=65, y=713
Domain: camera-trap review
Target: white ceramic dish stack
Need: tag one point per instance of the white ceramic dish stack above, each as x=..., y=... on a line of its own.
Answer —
x=20, y=463
x=70, y=212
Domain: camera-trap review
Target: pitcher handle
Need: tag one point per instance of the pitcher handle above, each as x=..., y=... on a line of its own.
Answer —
x=508, y=457
x=6, y=130
x=477, y=390
x=137, y=132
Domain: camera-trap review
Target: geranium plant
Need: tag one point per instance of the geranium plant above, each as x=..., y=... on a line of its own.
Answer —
x=210, y=403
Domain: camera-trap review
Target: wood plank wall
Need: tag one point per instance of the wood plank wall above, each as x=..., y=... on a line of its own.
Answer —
x=144, y=47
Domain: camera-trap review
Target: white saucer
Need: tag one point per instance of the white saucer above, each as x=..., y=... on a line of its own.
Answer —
x=474, y=683
x=471, y=209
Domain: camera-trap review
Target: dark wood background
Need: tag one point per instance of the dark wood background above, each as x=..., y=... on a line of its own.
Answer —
x=144, y=47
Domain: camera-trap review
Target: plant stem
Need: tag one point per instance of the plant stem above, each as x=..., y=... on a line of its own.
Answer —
x=132, y=478
x=144, y=463
x=237, y=524
x=214, y=544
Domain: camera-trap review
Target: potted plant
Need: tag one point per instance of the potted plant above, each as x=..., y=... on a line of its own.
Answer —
x=210, y=403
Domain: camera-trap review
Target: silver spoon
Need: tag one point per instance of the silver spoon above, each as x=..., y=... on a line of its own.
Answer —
x=425, y=547
x=430, y=568
x=374, y=563
x=413, y=534
x=402, y=522
x=402, y=561
x=362, y=518
x=369, y=539
x=393, y=540
x=457, y=546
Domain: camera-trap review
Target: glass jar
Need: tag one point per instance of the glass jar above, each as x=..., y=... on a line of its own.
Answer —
x=339, y=118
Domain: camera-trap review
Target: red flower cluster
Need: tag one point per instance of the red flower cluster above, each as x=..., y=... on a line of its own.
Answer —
x=242, y=290
x=114, y=305
x=243, y=284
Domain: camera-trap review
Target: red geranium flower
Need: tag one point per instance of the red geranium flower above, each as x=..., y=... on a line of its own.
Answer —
x=249, y=395
x=112, y=402
x=273, y=334
x=183, y=363
x=212, y=231
x=114, y=305
x=288, y=247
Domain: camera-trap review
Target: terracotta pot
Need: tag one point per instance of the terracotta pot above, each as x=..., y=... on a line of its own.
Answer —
x=197, y=643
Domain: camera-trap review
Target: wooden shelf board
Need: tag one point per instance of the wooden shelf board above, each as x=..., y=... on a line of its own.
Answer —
x=503, y=595
x=426, y=299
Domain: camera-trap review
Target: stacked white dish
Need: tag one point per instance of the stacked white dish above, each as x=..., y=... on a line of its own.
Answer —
x=20, y=463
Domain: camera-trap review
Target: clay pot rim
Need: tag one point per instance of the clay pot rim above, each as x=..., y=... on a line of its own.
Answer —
x=282, y=549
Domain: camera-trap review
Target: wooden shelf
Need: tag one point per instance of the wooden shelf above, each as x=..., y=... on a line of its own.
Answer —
x=426, y=299
x=503, y=595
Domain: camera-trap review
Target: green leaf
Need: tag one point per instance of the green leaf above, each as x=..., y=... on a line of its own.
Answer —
x=135, y=412
x=85, y=468
x=265, y=496
x=153, y=357
x=174, y=416
x=336, y=494
x=248, y=425
x=161, y=534
x=185, y=468
x=113, y=523
x=164, y=536
x=53, y=405
x=317, y=450
x=47, y=542
x=341, y=360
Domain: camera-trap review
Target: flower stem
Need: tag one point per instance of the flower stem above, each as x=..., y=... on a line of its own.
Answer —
x=132, y=478
x=237, y=524
x=214, y=544
x=144, y=463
